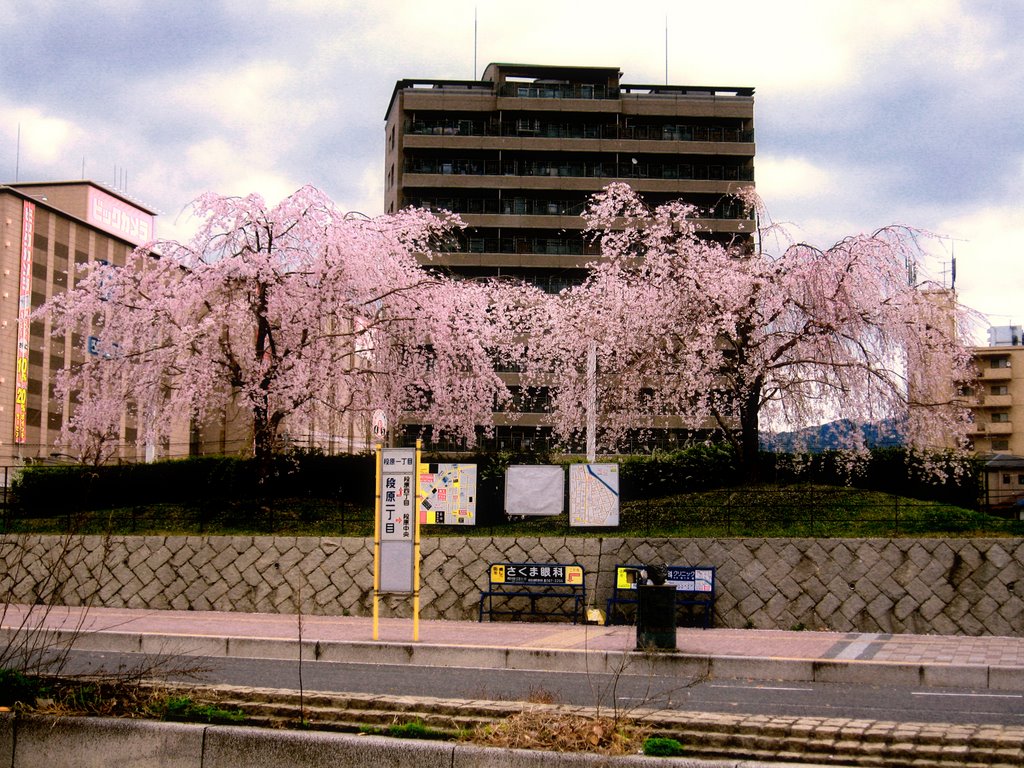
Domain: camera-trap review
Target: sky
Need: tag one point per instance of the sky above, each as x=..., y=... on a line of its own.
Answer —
x=867, y=112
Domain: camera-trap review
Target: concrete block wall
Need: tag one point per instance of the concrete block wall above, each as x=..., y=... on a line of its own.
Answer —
x=943, y=586
x=41, y=741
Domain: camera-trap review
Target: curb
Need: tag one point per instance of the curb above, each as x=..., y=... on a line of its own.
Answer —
x=41, y=741
x=981, y=677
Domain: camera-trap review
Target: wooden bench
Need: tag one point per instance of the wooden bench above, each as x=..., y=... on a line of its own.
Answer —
x=512, y=584
x=695, y=590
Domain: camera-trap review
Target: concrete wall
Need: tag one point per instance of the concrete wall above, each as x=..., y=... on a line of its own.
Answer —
x=943, y=586
x=38, y=741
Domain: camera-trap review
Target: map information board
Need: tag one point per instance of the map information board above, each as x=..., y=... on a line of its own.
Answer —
x=593, y=495
x=447, y=494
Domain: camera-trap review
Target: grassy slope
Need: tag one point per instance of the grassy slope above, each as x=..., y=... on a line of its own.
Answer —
x=751, y=511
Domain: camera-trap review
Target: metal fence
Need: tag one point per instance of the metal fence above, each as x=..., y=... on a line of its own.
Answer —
x=812, y=512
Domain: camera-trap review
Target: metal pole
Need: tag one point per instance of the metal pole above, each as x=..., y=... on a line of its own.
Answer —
x=376, y=546
x=592, y=402
x=416, y=549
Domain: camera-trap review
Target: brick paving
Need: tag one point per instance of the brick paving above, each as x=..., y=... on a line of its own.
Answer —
x=950, y=650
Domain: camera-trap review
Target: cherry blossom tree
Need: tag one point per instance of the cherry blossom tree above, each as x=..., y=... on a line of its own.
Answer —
x=290, y=313
x=763, y=333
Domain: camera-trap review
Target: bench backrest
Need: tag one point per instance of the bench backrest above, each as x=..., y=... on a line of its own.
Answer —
x=536, y=575
x=685, y=578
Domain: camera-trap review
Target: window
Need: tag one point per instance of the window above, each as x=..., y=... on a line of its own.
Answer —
x=1020, y=479
x=999, y=389
x=1006, y=478
x=999, y=362
x=1001, y=418
x=1000, y=445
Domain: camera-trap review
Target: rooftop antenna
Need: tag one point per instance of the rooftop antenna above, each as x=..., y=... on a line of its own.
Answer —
x=17, y=155
x=666, y=49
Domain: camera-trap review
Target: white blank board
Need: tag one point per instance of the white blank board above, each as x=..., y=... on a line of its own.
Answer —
x=534, y=490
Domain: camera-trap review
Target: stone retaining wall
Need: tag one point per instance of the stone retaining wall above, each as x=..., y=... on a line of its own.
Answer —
x=944, y=586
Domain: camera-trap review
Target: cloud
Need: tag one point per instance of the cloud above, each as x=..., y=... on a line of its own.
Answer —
x=233, y=173
x=867, y=113
x=39, y=140
x=786, y=179
x=987, y=245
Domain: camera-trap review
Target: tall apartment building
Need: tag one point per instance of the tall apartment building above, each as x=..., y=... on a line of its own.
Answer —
x=48, y=229
x=518, y=153
x=999, y=405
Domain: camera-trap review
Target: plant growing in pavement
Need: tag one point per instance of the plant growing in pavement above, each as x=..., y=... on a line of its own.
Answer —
x=184, y=709
x=659, y=746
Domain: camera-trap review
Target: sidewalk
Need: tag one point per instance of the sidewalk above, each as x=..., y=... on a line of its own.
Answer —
x=974, y=662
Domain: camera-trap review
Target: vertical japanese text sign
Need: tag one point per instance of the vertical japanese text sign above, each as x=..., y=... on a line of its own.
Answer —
x=28, y=229
x=397, y=521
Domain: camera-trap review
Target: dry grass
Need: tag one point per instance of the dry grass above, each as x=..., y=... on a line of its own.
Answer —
x=541, y=696
x=99, y=698
x=562, y=732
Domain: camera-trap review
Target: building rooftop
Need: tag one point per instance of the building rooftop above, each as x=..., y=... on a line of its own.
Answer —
x=92, y=204
x=1005, y=336
x=500, y=78
x=25, y=186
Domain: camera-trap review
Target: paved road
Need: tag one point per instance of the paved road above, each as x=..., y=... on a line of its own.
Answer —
x=789, y=671
x=897, y=703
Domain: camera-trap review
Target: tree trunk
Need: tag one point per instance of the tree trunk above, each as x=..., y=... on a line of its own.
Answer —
x=750, y=435
x=263, y=444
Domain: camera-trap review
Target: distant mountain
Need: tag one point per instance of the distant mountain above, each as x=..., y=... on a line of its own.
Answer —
x=829, y=437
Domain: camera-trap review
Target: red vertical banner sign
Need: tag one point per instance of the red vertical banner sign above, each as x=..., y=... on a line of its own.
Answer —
x=28, y=233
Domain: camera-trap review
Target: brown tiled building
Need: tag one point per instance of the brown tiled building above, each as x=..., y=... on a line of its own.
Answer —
x=999, y=405
x=47, y=230
x=998, y=415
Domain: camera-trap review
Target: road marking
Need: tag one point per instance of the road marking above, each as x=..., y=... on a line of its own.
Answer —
x=971, y=695
x=760, y=687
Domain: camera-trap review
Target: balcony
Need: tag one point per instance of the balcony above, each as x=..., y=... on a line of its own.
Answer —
x=728, y=209
x=996, y=374
x=628, y=170
x=992, y=429
x=524, y=128
x=994, y=401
